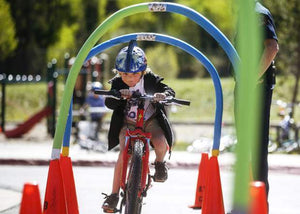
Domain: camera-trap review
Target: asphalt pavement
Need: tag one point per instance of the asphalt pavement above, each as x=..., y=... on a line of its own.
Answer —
x=32, y=150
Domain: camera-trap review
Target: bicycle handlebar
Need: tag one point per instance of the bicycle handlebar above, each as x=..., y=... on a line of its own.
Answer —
x=117, y=95
x=113, y=93
x=179, y=101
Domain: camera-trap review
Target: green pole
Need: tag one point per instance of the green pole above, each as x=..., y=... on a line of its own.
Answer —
x=247, y=102
x=82, y=54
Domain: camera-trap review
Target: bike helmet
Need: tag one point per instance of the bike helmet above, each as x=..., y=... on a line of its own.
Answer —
x=96, y=86
x=131, y=59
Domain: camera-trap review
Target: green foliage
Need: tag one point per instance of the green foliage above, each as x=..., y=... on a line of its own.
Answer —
x=102, y=12
x=284, y=85
x=133, y=23
x=138, y=21
x=163, y=61
x=72, y=33
x=65, y=25
x=8, y=42
x=287, y=15
x=189, y=31
x=37, y=26
x=23, y=100
x=219, y=12
x=47, y=29
x=201, y=93
x=64, y=44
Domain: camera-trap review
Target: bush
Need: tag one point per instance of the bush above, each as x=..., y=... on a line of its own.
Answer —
x=163, y=61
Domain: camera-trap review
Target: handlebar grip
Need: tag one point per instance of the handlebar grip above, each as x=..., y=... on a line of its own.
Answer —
x=181, y=102
x=113, y=93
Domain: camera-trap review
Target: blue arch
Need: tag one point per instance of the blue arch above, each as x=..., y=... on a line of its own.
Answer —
x=110, y=21
x=209, y=27
x=187, y=48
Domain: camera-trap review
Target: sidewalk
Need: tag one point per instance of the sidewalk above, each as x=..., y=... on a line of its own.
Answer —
x=35, y=148
x=38, y=152
x=28, y=153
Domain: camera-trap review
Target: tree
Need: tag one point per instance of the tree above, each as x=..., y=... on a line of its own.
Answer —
x=221, y=14
x=86, y=20
x=159, y=65
x=72, y=34
x=37, y=25
x=86, y=16
x=8, y=42
x=287, y=15
x=218, y=11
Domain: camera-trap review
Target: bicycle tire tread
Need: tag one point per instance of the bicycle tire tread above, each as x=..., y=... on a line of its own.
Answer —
x=133, y=203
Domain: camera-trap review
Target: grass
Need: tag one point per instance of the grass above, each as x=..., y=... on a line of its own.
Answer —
x=23, y=100
x=201, y=93
x=180, y=146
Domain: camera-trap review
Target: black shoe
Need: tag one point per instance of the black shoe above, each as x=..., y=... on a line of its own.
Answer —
x=161, y=172
x=110, y=203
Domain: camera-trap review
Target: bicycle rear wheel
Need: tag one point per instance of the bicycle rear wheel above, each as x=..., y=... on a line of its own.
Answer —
x=133, y=204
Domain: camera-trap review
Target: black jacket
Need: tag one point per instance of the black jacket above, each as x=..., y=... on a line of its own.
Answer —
x=152, y=84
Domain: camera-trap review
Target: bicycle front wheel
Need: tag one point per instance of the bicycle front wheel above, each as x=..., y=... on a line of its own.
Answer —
x=133, y=200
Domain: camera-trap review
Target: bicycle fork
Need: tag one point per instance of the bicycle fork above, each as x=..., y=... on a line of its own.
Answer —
x=127, y=154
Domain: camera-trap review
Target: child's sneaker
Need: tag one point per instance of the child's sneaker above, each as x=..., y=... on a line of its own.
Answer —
x=161, y=172
x=110, y=203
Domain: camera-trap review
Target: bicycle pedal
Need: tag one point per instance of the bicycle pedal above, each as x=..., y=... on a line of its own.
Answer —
x=115, y=210
x=144, y=194
x=155, y=180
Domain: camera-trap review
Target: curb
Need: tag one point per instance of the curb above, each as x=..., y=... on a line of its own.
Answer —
x=178, y=165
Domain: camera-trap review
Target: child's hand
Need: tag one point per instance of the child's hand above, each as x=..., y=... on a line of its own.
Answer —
x=125, y=93
x=159, y=97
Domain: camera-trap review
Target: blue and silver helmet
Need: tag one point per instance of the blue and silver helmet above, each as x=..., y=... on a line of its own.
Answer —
x=96, y=86
x=131, y=59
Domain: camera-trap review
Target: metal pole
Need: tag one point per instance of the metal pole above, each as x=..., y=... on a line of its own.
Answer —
x=54, y=76
x=50, y=92
x=3, y=107
x=66, y=65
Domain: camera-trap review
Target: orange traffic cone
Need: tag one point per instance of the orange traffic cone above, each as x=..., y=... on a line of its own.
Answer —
x=31, y=200
x=258, y=196
x=55, y=201
x=69, y=184
x=213, y=197
x=202, y=172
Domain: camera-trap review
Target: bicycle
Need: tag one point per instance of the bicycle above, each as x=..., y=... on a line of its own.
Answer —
x=86, y=130
x=136, y=178
x=287, y=130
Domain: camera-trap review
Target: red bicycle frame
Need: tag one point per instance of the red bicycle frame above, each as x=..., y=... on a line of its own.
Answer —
x=130, y=138
x=133, y=148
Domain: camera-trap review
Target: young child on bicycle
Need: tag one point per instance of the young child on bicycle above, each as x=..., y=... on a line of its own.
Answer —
x=134, y=75
x=94, y=100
